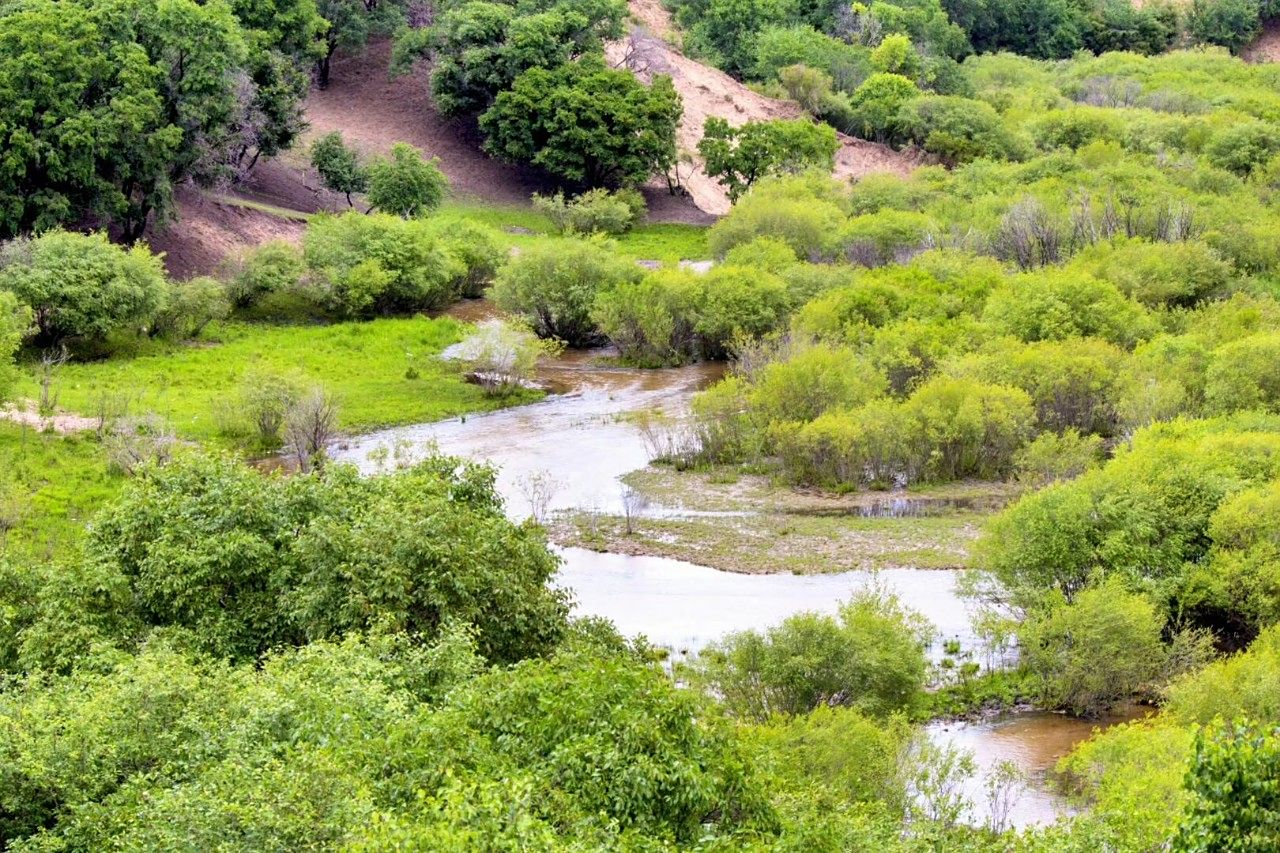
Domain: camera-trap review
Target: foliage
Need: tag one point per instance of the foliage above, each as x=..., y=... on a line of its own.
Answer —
x=653, y=321
x=585, y=124
x=870, y=657
x=191, y=307
x=81, y=286
x=1098, y=650
x=554, y=287
x=479, y=49
x=597, y=211
x=242, y=562
x=14, y=320
x=1236, y=796
x=739, y=156
x=405, y=184
x=271, y=267
x=339, y=167
x=365, y=265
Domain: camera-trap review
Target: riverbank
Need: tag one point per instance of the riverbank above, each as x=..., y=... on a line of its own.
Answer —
x=382, y=372
x=753, y=524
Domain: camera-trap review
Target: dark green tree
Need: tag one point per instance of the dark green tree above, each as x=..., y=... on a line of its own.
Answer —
x=585, y=124
x=339, y=166
x=405, y=184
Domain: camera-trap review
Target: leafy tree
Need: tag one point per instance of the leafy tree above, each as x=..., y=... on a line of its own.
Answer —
x=1098, y=650
x=1236, y=799
x=350, y=24
x=90, y=134
x=243, y=563
x=725, y=31
x=877, y=103
x=339, y=166
x=870, y=657
x=1230, y=23
x=896, y=55
x=739, y=156
x=586, y=124
x=480, y=48
x=405, y=184
x=554, y=287
x=82, y=286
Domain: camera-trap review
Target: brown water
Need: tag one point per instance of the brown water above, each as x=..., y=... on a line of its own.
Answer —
x=1033, y=741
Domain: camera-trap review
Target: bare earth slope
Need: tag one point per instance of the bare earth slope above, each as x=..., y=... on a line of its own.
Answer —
x=708, y=92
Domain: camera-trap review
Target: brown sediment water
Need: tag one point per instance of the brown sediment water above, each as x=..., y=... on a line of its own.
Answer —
x=1033, y=742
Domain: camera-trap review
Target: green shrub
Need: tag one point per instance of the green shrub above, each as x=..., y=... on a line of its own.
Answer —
x=405, y=184
x=1244, y=685
x=810, y=381
x=192, y=305
x=360, y=265
x=804, y=225
x=1057, y=304
x=876, y=106
x=242, y=562
x=1174, y=274
x=652, y=321
x=1235, y=803
x=595, y=211
x=1242, y=375
x=1096, y=651
x=554, y=286
x=1230, y=23
x=479, y=247
x=82, y=286
x=1054, y=457
x=957, y=130
x=273, y=267
x=885, y=237
x=871, y=657
x=1244, y=147
x=739, y=302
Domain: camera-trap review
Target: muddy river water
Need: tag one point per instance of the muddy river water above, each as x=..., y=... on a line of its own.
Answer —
x=584, y=441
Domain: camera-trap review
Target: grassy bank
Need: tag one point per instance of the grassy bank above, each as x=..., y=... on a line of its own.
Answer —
x=49, y=485
x=666, y=242
x=753, y=524
x=383, y=372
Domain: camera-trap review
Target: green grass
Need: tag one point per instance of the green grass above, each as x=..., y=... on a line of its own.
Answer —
x=363, y=364
x=666, y=242
x=49, y=486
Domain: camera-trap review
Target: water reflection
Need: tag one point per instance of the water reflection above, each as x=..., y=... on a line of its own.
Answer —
x=684, y=607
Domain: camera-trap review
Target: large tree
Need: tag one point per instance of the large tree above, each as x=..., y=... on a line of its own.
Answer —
x=479, y=48
x=84, y=127
x=586, y=124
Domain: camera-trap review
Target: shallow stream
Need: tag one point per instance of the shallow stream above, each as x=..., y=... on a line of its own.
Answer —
x=585, y=439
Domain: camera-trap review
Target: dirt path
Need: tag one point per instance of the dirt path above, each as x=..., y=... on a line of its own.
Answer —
x=707, y=92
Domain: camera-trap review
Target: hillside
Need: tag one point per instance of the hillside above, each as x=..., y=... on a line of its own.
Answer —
x=707, y=92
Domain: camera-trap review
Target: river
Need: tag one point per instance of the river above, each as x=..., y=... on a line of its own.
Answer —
x=584, y=440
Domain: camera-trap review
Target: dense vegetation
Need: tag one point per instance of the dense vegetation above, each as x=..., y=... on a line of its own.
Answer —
x=1078, y=296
